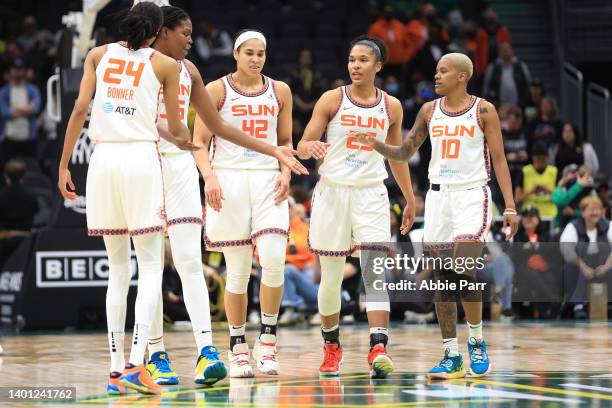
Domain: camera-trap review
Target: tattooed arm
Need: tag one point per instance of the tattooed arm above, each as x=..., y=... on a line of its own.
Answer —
x=414, y=140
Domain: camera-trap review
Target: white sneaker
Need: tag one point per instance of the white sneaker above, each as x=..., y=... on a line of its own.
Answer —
x=239, y=366
x=264, y=355
x=254, y=317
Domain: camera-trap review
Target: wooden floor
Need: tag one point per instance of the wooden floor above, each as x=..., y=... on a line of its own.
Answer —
x=534, y=364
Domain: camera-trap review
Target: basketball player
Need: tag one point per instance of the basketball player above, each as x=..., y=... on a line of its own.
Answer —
x=350, y=202
x=183, y=206
x=463, y=130
x=246, y=197
x=124, y=192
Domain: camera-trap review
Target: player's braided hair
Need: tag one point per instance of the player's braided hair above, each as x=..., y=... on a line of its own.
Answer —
x=142, y=22
x=173, y=16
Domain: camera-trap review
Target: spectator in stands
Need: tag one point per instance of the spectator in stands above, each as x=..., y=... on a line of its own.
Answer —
x=536, y=93
x=575, y=184
x=19, y=107
x=547, y=127
x=572, y=149
x=210, y=42
x=585, y=245
x=499, y=273
x=465, y=40
x=507, y=79
x=17, y=209
x=488, y=39
x=17, y=204
x=300, y=289
x=33, y=36
x=417, y=29
x=307, y=86
x=603, y=192
x=392, y=31
x=536, y=182
x=515, y=142
x=426, y=59
x=535, y=278
x=11, y=54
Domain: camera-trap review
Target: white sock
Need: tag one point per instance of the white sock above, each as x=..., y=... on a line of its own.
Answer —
x=186, y=254
x=475, y=330
x=451, y=346
x=156, y=331
x=118, y=251
x=330, y=329
x=268, y=320
x=115, y=345
x=148, y=254
x=139, y=344
x=379, y=330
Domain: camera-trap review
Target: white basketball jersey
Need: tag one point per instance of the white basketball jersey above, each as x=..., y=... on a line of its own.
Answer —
x=459, y=152
x=254, y=113
x=184, y=96
x=347, y=161
x=125, y=105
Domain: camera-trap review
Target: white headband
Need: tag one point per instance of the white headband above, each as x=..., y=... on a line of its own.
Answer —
x=249, y=35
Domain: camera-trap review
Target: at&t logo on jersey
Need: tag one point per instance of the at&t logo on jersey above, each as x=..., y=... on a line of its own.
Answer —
x=108, y=108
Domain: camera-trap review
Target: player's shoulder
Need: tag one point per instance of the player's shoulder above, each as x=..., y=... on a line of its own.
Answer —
x=280, y=86
x=427, y=109
x=485, y=106
x=331, y=96
x=97, y=52
x=163, y=61
x=191, y=67
x=393, y=102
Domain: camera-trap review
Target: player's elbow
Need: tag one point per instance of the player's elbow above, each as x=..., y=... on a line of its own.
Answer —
x=80, y=108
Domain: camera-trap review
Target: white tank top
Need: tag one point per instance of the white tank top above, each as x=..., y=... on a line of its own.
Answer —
x=254, y=113
x=347, y=161
x=459, y=152
x=125, y=105
x=184, y=96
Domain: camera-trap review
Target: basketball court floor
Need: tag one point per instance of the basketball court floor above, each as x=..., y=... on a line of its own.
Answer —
x=534, y=365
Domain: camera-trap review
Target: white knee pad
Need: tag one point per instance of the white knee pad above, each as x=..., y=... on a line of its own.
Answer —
x=332, y=269
x=238, y=261
x=376, y=300
x=272, y=249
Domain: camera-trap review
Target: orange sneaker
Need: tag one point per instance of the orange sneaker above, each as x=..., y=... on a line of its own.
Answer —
x=139, y=379
x=332, y=358
x=380, y=363
x=114, y=387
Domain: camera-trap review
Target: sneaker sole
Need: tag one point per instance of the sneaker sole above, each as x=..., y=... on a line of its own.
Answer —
x=213, y=374
x=475, y=375
x=268, y=372
x=140, y=388
x=446, y=376
x=167, y=381
x=381, y=367
x=332, y=373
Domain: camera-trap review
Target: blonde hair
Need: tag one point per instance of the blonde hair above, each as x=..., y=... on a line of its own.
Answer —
x=586, y=201
x=462, y=62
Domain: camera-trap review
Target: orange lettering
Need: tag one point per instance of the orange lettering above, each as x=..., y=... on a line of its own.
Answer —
x=450, y=148
x=112, y=74
x=255, y=127
x=353, y=143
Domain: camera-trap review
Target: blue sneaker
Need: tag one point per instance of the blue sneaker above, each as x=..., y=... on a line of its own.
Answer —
x=160, y=370
x=479, y=359
x=448, y=368
x=209, y=368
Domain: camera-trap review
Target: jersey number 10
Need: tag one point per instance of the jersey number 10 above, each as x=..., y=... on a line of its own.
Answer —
x=118, y=67
x=450, y=148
